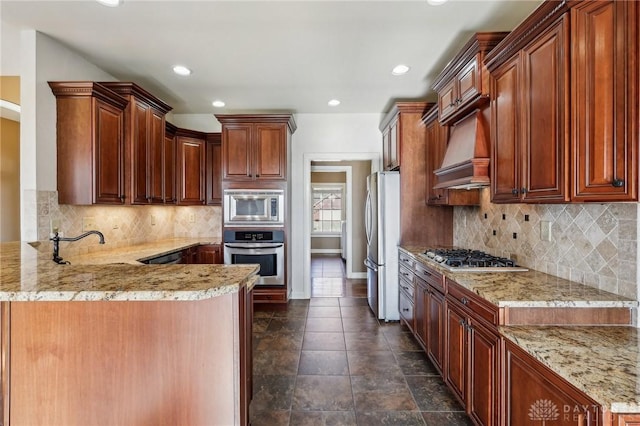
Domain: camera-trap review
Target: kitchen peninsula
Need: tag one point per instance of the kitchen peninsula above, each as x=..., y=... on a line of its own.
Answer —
x=122, y=342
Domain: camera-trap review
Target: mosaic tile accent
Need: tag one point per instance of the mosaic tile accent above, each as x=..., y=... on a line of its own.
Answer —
x=593, y=244
x=124, y=226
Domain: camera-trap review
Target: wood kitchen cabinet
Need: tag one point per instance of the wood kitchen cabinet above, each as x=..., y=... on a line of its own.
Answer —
x=213, y=169
x=254, y=147
x=472, y=355
x=390, y=146
x=530, y=121
x=420, y=224
x=190, y=167
x=144, y=142
x=531, y=389
x=406, y=290
x=420, y=297
x=563, y=128
x=462, y=85
x=169, y=164
x=625, y=419
x=436, y=145
x=209, y=254
x=604, y=93
x=90, y=143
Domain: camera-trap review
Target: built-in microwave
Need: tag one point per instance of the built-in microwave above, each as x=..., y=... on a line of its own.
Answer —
x=248, y=207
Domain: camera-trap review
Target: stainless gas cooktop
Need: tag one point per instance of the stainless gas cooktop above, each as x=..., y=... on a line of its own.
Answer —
x=465, y=260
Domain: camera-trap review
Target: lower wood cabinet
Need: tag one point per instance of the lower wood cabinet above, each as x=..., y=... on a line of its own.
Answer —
x=209, y=254
x=190, y=256
x=456, y=352
x=406, y=310
x=435, y=328
x=535, y=393
x=626, y=420
x=421, y=293
x=270, y=295
x=484, y=374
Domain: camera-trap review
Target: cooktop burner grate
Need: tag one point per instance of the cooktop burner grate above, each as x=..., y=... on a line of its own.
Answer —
x=472, y=261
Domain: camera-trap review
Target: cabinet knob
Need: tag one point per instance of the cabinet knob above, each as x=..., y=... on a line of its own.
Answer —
x=462, y=323
x=523, y=190
x=617, y=183
x=514, y=191
x=122, y=198
x=257, y=175
x=452, y=104
x=464, y=301
x=405, y=309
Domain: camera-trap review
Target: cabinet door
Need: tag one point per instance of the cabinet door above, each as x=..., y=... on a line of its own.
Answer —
x=468, y=83
x=484, y=367
x=156, y=144
x=270, y=155
x=109, y=154
x=436, y=140
x=210, y=254
x=139, y=152
x=236, y=152
x=456, y=352
x=545, y=96
x=406, y=310
x=214, y=173
x=420, y=313
x=435, y=328
x=626, y=419
x=191, y=165
x=505, y=170
x=604, y=122
x=386, y=149
x=534, y=393
x=447, y=100
x=169, y=172
x=394, y=145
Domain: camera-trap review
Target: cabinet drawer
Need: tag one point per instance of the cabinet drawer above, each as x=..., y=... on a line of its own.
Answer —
x=431, y=276
x=405, y=273
x=478, y=307
x=406, y=309
x=407, y=287
x=266, y=296
x=406, y=260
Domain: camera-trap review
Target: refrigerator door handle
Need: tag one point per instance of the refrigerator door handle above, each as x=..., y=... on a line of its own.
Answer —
x=367, y=218
x=370, y=265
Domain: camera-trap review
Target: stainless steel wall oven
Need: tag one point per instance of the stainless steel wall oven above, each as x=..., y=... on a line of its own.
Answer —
x=264, y=247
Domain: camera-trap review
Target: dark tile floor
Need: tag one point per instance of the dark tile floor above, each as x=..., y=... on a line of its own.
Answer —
x=328, y=361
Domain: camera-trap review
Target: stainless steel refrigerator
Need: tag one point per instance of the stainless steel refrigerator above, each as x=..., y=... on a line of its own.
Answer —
x=382, y=227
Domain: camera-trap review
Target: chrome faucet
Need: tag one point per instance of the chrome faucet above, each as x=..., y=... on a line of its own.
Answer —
x=56, y=244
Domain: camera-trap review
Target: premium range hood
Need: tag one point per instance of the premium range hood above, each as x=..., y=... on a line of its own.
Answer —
x=466, y=161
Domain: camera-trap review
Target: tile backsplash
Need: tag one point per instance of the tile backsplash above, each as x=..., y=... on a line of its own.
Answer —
x=594, y=244
x=124, y=226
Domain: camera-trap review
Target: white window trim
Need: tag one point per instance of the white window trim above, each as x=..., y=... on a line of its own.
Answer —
x=342, y=188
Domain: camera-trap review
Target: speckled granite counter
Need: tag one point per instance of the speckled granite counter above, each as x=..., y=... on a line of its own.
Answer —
x=27, y=275
x=527, y=289
x=603, y=362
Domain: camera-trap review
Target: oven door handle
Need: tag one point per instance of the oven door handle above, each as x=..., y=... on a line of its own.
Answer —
x=253, y=246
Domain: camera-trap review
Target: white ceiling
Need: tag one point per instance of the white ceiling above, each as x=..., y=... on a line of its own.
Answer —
x=270, y=55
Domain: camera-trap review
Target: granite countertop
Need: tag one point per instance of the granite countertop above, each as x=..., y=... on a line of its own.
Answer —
x=527, y=289
x=603, y=362
x=114, y=274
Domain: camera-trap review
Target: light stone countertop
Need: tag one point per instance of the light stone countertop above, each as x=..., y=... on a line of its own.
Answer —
x=29, y=275
x=531, y=289
x=603, y=362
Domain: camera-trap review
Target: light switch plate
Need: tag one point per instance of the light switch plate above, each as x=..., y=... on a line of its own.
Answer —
x=153, y=220
x=545, y=230
x=192, y=217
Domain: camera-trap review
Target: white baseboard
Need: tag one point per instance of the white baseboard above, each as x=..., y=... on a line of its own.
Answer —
x=326, y=251
x=357, y=275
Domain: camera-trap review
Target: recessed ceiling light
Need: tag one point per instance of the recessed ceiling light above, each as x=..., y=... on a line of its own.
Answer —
x=400, y=70
x=218, y=104
x=181, y=70
x=333, y=102
x=436, y=2
x=110, y=3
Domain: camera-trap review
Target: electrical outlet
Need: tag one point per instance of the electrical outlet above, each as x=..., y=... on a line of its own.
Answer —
x=88, y=224
x=115, y=222
x=545, y=230
x=54, y=226
x=192, y=217
x=153, y=220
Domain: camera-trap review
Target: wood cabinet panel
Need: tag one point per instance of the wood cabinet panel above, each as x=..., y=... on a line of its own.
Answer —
x=406, y=310
x=604, y=84
x=89, y=143
x=436, y=329
x=545, y=116
x=214, y=169
x=483, y=405
x=447, y=97
x=270, y=152
x=545, y=396
x=420, y=312
x=169, y=161
x=209, y=254
x=626, y=420
x=156, y=155
x=456, y=355
x=191, y=168
x=237, y=151
x=138, y=134
x=468, y=82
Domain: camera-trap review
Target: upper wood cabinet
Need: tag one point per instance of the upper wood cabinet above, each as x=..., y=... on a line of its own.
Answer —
x=144, y=142
x=529, y=116
x=462, y=85
x=604, y=87
x=169, y=164
x=436, y=145
x=190, y=167
x=390, y=146
x=254, y=147
x=90, y=143
x=564, y=127
x=213, y=169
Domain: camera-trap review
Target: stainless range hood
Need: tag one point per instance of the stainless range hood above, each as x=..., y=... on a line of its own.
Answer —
x=466, y=161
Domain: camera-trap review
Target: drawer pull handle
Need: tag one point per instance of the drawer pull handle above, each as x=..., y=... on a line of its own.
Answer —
x=404, y=274
x=405, y=309
x=426, y=273
x=464, y=301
